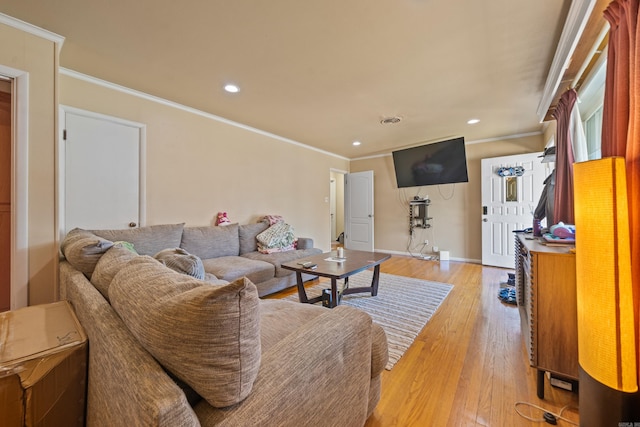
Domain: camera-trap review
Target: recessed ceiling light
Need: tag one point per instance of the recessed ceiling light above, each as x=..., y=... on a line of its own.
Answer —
x=356, y=143
x=473, y=121
x=231, y=88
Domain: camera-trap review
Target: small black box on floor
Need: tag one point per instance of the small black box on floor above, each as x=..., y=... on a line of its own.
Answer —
x=326, y=297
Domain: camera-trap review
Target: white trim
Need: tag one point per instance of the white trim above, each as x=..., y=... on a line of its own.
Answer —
x=502, y=138
x=20, y=187
x=100, y=116
x=470, y=260
x=32, y=29
x=142, y=128
x=152, y=98
x=577, y=18
x=477, y=141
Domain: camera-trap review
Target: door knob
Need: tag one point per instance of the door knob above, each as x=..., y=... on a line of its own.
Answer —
x=132, y=224
x=485, y=220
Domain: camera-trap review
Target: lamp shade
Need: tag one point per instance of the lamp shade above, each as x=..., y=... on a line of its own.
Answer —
x=606, y=326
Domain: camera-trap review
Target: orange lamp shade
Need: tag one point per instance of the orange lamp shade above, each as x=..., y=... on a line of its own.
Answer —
x=606, y=326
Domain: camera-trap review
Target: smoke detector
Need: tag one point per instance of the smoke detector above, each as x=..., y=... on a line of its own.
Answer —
x=390, y=120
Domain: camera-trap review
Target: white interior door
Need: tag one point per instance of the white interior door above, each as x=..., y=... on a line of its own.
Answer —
x=508, y=204
x=102, y=171
x=358, y=204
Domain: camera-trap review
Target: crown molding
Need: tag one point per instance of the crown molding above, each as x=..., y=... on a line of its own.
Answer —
x=577, y=18
x=476, y=141
x=32, y=29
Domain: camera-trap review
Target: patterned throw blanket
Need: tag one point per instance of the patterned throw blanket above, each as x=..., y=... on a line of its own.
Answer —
x=279, y=237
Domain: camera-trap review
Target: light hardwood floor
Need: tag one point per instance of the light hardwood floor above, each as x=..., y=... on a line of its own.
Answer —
x=468, y=366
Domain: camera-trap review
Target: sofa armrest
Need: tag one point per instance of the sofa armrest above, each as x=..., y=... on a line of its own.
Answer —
x=305, y=243
x=320, y=372
x=126, y=385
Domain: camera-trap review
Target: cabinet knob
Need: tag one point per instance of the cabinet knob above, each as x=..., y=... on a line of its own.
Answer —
x=132, y=224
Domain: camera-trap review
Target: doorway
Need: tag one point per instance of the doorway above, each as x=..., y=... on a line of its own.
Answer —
x=358, y=211
x=336, y=202
x=15, y=187
x=5, y=192
x=508, y=202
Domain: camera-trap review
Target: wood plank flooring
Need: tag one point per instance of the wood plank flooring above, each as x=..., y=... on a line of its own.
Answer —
x=468, y=366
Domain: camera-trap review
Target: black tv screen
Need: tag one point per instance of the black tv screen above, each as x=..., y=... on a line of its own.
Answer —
x=442, y=162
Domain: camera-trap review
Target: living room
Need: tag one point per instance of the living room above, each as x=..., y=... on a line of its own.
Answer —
x=187, y=141
x=199, y=163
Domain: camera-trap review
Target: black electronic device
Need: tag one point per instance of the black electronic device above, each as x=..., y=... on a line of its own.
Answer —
x=443, y=162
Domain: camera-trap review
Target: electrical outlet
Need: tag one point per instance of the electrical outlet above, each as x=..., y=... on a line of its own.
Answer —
x=435, y=249
x=426, y=242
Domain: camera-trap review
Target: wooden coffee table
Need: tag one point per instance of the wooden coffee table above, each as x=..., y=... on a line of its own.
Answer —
x=352, y=263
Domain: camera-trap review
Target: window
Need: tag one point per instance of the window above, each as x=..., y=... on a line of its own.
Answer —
x=590, y=101
x=593, y=134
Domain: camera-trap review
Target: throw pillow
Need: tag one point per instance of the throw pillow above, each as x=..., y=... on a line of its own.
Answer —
x=147, y=240
x=206, y=335
x=84, y=249
x=181, y=261
x=109, y=265
x=279, y=235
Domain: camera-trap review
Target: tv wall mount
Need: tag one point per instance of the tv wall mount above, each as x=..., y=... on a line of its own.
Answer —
x=419, y=214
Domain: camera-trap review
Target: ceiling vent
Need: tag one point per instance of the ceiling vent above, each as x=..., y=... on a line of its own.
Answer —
x=390, y=120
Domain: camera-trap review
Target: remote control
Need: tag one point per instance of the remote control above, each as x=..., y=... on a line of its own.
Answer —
x=307, y=264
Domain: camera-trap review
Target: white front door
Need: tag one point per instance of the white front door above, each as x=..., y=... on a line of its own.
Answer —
x=358, y=204
x=508, y=204
x=102, y=179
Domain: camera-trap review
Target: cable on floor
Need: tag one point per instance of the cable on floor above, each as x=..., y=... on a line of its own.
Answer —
x=547, y=416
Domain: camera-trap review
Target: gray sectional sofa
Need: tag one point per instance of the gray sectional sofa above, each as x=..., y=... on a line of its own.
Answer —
x=227, y=253
x=169, y=349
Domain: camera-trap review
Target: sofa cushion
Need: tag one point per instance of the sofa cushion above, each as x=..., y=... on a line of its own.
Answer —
x=211, y=242
x=206, y=335
x=248, y=233
x=83, y=249
x=109, y=265
x=147, y=240
x=233, y=267
x=181, y=261
x=277, y=258
x=279, y=318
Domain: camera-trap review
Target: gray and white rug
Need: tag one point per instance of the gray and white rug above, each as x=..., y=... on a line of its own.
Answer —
x=402, y=307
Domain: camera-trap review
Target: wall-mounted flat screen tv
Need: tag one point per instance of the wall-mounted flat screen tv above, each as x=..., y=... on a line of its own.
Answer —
x=442, y=162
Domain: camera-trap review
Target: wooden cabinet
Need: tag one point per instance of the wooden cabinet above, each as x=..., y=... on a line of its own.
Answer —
x=546, y=294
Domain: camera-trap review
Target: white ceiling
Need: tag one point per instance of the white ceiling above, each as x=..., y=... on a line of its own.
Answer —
x=323, y=72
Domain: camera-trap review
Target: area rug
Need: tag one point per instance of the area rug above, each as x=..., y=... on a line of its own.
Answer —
x=402, y=307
